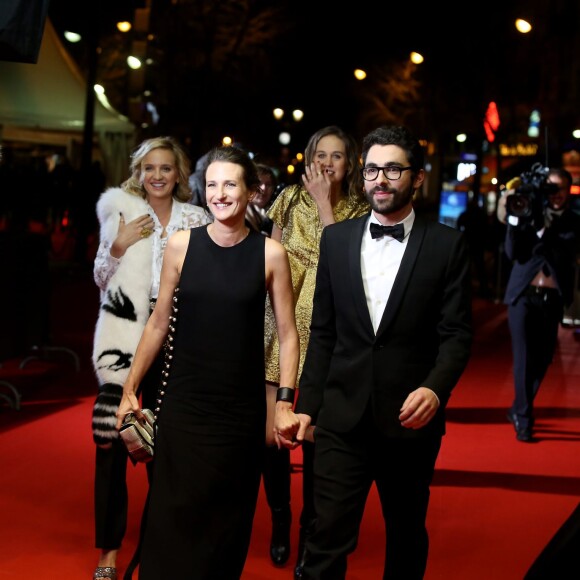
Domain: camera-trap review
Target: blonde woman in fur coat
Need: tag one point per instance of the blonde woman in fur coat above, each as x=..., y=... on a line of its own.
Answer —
x=136, y=220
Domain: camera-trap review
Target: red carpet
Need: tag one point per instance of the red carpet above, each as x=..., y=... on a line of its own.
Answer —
x=495, y=502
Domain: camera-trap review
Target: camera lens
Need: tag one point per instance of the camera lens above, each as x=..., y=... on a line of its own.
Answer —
x=518, y=205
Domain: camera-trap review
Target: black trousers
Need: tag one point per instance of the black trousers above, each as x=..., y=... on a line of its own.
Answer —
x=277, y=481
x=345, y=466
x=277, y=477
x=533, y=321
x=111, y=496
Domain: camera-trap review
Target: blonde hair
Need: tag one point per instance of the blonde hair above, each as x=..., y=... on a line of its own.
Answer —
x=133, y=185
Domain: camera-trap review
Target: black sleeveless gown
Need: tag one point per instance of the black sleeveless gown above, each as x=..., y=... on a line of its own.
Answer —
x=210, y=441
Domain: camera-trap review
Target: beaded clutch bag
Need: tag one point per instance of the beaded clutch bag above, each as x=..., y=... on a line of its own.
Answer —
x=138, y=436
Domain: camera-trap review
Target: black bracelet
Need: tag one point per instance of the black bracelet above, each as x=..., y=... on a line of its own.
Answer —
x=285, y=394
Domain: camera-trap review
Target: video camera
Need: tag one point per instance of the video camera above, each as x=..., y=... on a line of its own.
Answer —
x=531, y=196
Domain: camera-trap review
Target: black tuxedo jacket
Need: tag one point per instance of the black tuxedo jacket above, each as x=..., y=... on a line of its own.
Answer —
x=424, y=338
x=556, y=250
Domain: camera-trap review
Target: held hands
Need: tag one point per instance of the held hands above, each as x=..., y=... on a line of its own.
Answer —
x=290, y=429
x=419, y=408
x=128, y=234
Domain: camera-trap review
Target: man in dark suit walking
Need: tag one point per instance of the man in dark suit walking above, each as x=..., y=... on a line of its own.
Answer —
x=390, y=337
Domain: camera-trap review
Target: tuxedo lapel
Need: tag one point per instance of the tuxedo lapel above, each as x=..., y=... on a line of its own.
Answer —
x=404, y=274
x=354, y=261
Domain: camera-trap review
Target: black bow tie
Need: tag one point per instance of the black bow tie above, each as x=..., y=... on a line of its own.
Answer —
x=397, y=232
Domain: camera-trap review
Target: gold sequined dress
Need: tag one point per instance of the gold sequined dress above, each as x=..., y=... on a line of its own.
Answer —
x=295, y=213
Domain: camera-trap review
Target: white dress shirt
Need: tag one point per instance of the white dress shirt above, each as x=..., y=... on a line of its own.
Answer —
x=380, y=261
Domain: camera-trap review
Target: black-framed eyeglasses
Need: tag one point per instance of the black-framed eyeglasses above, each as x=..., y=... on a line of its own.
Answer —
x=391, y=172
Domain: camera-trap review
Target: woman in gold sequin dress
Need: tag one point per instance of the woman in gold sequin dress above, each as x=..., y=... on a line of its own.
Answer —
x=331, y=192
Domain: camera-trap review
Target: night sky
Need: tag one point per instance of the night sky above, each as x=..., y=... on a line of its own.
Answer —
x=472, y=55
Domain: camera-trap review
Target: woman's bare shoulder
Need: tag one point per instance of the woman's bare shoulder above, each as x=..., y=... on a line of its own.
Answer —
x=179, y=240
x=275, y=250
x=274, y=246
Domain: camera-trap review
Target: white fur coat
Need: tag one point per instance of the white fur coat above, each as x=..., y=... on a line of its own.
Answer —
x=124, y=310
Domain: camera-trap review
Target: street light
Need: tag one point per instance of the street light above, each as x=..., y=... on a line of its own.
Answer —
x=416, y=57
x=523, y=26
x=133, y=62
x=72, y=37
x=297, y=114
x=285, y=135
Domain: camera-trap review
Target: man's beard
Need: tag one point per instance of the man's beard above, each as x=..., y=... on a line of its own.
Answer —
x=398, y=200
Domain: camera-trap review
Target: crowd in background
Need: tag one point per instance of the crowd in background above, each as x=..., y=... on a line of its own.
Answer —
x=56, y=201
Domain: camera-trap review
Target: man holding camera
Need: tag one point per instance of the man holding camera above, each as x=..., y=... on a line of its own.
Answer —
x=542, y=241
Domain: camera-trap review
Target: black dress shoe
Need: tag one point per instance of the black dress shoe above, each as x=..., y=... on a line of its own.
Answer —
x=523, y=434
x=305, y=533
x=299, y=569
x=280, y=543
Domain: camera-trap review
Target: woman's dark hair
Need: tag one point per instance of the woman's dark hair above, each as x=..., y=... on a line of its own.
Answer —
x=264, y=169
x=239, y=157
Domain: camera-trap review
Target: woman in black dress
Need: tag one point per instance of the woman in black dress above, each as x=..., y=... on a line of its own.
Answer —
x=209, y=445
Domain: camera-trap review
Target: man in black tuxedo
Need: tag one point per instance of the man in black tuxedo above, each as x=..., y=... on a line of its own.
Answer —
x=543, y=245
x=390, y=337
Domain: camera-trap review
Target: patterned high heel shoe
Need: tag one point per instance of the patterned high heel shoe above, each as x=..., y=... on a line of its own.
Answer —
x=105, y=572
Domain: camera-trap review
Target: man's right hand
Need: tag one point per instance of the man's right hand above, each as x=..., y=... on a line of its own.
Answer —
x=305, y=430
x=300, y=431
